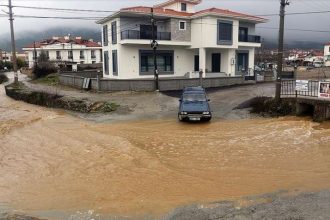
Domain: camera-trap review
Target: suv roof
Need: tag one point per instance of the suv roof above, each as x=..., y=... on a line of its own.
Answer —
x=191, y=89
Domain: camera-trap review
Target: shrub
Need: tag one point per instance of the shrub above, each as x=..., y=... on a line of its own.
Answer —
x=3, y=78
x=43, y=66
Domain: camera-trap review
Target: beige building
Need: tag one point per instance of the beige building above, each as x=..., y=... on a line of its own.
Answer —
x=66, y=49
x=218, y=42
x=327, y=54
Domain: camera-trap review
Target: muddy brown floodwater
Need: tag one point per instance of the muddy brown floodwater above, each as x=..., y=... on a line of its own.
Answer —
x=51, y=161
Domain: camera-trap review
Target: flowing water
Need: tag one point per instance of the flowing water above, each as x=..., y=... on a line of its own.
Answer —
x=51, y=161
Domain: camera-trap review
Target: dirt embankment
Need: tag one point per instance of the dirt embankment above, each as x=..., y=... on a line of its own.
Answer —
x=268, y=107
x=42, y=98
x=3, y=78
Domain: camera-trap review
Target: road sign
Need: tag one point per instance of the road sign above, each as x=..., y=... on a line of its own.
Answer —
x=324, y=90
x=154, y=44
x=302, y=85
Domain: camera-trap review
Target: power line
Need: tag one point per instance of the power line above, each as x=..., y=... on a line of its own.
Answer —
x=112, y=11
x=61, y=9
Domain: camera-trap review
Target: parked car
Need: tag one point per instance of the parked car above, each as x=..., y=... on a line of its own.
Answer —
x=194, y=105
x=318, y=64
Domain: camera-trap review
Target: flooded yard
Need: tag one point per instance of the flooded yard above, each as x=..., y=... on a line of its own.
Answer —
x=52, y=162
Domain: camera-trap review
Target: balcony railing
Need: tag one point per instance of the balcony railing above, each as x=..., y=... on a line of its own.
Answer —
x=82, y=57
x=249, y=38
x=93, y=57
x=137, y=35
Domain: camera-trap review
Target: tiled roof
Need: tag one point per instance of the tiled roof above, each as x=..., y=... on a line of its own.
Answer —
x=157, y=11
x=229, y=13
x=46, y=42
x=213, y=11
x=170, y=2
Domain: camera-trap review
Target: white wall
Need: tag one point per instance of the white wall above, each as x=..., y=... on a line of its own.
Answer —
x=204, y=33
x=129, y=61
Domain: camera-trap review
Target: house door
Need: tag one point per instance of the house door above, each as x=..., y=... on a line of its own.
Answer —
x=196, y=63
x=243, y=62
x=146, y=31
x=216, y=60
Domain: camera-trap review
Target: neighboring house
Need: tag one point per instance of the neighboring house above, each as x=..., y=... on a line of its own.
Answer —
x=66, y=50
x=218, y=42
x=327, y=54
x=6, y=56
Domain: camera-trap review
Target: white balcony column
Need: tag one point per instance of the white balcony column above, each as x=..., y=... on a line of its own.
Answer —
x=202, y=60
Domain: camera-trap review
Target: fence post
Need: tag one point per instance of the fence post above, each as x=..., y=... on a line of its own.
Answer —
x=74, y=80
x=201, y=78
x=98, y=83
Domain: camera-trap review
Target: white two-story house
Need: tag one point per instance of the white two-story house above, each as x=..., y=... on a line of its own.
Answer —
x=66, y=49
x=216, y=41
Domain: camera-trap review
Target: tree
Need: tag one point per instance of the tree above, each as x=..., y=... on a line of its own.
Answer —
x=20, y=63
x=43, y=66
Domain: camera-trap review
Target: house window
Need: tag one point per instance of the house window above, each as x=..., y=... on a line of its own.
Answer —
x=183, y=7
x=47, y=54
x=165, y=62
x=70, y=54
x=105, y=35
x=182, y=25
x=114, y=63
x=58, y=55
x=114, y=32
x=225, y=32
x=82, y=56
x=93, y=54
x=106, y=63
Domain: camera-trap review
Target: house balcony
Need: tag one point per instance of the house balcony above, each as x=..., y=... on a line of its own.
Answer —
x=82, y=57
x=249, y=38
x=138, y=35
x=93, y=57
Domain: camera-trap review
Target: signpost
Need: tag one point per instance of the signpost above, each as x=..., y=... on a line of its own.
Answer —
x=324, y=90
x=302, y=85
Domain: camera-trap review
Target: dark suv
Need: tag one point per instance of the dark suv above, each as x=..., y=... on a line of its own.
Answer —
x=194, y=105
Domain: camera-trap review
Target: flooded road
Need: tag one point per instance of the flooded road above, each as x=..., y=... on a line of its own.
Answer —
x=51, y=162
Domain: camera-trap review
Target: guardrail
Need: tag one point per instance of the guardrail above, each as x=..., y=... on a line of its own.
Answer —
x=138, y=35
x=249, y=38
x=288, y=89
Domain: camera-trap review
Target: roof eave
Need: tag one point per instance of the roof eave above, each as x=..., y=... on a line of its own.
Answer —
x=253, y=19
x=108, y=18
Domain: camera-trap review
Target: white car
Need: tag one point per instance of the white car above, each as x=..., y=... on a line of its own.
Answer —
x=318, y=64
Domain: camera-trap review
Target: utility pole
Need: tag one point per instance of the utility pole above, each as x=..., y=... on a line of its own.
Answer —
x=284, y=3
x=35, y=54
x=13, y=46
x=154, y=45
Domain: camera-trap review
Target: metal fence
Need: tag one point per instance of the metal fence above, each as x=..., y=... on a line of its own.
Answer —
x=288, y=89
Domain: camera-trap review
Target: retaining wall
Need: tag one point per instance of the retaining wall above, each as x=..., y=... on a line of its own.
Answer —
x=167, y=84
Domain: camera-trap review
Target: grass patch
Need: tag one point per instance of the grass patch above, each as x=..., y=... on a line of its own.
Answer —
x=3, y=78
x=50, y=80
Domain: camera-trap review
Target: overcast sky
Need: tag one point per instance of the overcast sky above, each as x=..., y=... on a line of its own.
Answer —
x=255, y=7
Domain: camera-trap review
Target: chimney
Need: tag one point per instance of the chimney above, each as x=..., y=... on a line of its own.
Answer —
x=78, y=38
x=55, y=38
x=66, y=38
x=91, y=40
